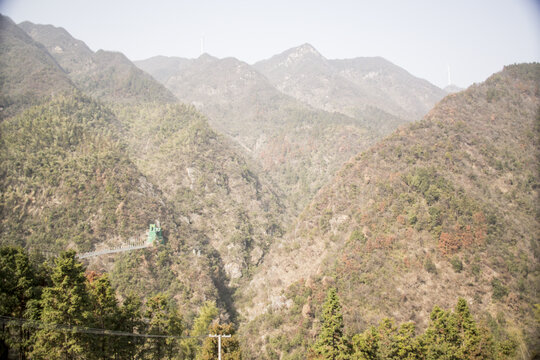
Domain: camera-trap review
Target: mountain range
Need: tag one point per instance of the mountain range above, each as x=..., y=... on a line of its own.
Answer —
x=297, y=141
x=275, y=182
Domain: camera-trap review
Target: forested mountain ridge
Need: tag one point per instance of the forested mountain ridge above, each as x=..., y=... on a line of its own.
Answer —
x=68, y=183
x=173, y=146
x=294, y=136
x=162, y=158
x=106, y=75
x=445, y=207
x=28, y=73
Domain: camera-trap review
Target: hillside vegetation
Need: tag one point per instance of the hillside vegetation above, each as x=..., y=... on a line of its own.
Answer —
x=443, y=208
x=106, y=75
x=297, y=146
x=211, y=188
x=68, y=182
x=28, y=73
x=59, y=309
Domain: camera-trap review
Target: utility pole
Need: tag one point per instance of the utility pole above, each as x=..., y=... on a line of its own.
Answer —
x=219, y=336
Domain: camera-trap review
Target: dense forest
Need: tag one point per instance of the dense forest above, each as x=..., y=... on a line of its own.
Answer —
x=58, y=309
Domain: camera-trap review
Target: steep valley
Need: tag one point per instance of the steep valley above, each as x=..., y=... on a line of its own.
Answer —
x=275, y=183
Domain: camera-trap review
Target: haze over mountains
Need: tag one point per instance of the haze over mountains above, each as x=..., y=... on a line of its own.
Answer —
x=298, y=115
x=275, y=182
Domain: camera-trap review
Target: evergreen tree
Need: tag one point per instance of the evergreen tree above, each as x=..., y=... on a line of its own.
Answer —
x=207, y=314
x=163, y=319
x=365, y=345
x=331, y=343
x=441, y=338
x=387, y=347
x=455, y=335
x=386, y=342
x=476, y=343
x=406, y=343
x=106, y=315
x=19, y=287
x=65, y=302
x=230, y=347
x=131, y=322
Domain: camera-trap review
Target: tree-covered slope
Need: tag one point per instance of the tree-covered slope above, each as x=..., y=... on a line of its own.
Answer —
x=297, y=146
x=208, y=183
x=446, y=207
x=216, y=209
x=67, y=181
x=105, y=75
x=27, y=72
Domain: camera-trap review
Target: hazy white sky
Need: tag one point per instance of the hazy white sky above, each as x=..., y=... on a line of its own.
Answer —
x=474, y=37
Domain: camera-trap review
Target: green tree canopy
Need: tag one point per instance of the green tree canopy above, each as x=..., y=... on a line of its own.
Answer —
x=163, y=319
x=65, y=302
x=331, y=343
x=106, y=315
x=18, y=288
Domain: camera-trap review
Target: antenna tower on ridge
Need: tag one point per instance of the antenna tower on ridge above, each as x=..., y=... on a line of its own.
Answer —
x=202, y=44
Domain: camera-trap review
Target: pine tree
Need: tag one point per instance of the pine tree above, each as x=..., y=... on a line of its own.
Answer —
x=366, y=345
x=130, y=321
x=18, y=289
x=455, y=335
x=386, y=342
x=387, y=347
x=65, y=302
x=406, y=343
x=207, y=314
x=331, y=343
x=163, y=319
x=441, y=338
x=106, y=315
x=476, y=343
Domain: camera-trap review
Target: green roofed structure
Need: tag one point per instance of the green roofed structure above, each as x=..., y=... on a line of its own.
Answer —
x=155, y=234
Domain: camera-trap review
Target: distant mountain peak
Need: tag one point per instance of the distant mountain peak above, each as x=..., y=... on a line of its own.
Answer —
x=452, y=88
x=206, y=57
x=307, y=47
x=303, y=51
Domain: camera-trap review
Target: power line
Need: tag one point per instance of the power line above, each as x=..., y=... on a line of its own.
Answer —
x=86, y=330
